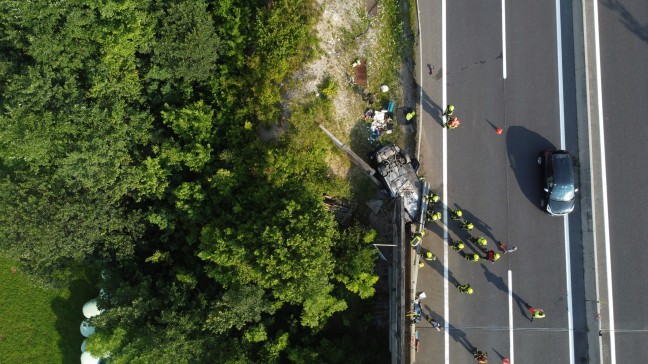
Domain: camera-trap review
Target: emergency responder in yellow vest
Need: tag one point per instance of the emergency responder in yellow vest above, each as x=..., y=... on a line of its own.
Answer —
x=457, y=245
x=417, y=239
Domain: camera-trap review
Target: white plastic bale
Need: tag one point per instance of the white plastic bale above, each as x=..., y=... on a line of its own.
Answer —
x=90, y=309
x=87, y=358
x=86, y=329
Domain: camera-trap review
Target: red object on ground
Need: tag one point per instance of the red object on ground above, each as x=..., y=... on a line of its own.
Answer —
x=499, y=131
x=506, y=361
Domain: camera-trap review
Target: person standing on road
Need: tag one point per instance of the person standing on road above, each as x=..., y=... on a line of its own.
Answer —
x=434, y=216
x=429, y=256
x=417, y=239
x=457, y=214
x=472, y=257
x=480, y=356
x=453, y=123
x=481, y=241
x=467, y=225
x=431, y=197
x=457, y=245
x=507, y=248
x=535, y=312
x=449, y=110
x=435, y=324
x=492, y=256
x=410, y=115
x=465, y=288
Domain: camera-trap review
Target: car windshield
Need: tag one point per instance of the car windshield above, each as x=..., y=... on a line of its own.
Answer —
x=562, y=192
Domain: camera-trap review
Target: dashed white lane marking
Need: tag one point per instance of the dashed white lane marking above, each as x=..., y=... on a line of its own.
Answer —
x=510, y=299
x=504, y=39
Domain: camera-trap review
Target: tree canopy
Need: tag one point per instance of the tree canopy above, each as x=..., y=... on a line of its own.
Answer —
x=128, y=142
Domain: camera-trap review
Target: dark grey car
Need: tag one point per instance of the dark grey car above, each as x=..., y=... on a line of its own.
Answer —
x=558, y=182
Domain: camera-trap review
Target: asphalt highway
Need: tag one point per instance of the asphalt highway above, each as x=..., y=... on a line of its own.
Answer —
x=624, y=80
x=526, y=86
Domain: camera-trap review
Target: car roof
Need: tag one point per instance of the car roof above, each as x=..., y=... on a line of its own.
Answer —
x=562, y=168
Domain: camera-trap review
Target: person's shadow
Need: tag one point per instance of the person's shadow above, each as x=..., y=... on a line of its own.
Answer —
x=439, y=268
x=479, y=225
x=499, y=283
x=460, y=337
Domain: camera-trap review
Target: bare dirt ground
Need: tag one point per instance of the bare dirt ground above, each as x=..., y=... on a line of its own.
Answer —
x=347, y=33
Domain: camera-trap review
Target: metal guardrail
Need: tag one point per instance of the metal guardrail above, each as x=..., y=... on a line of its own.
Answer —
x=403, y=282
x=397, y=276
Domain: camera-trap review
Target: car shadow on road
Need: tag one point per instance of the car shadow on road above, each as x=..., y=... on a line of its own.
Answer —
x=522, y=149
x=499, y=283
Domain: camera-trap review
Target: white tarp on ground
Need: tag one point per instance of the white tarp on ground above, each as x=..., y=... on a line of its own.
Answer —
x=86, y=328
x=90, y=309
x=87, y=358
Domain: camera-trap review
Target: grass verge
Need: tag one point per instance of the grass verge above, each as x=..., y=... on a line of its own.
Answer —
x=40, y=325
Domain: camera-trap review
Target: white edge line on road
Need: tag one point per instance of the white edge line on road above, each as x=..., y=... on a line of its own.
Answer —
x=606, y=221
x=446, y=304
x=570, y=312
x=420, y=118
x=510, y=299
x=504, y=39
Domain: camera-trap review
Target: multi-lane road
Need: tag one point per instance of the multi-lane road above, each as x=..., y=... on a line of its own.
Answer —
x=567, y=75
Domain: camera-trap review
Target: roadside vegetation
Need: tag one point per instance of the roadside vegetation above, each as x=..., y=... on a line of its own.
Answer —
x=163, y=144
x=39, y=324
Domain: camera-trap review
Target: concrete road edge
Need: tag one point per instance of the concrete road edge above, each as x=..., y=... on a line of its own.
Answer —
x=590, y=156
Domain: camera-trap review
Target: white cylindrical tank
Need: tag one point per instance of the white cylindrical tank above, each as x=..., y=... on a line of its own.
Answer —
x=86, y=329
x=87, y=358
x=90, y=309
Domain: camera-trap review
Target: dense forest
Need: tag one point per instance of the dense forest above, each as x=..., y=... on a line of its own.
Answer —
x=129, y=145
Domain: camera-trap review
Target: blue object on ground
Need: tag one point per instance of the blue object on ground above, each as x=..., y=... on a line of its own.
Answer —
x=390, y=107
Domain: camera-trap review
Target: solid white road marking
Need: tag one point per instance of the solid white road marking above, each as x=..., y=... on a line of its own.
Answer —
x=510, y=299
x=420, y=118
x=504, y=39
x=570, y=312
x=446, y=304
x=606, y=220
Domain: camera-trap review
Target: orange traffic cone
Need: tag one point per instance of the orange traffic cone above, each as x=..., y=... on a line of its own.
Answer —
x=499, y=131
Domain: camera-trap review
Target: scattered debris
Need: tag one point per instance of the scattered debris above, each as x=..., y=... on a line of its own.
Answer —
x=341, y=209
x=360, y=73
x=381, y=122
x=375, y=205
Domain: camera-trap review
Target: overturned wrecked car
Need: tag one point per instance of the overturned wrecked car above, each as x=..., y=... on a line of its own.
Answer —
x=396, y=172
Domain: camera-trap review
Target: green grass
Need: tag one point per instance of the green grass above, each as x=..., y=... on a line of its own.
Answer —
x=40, y=325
